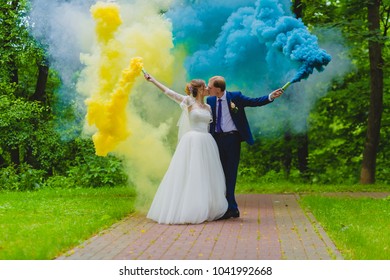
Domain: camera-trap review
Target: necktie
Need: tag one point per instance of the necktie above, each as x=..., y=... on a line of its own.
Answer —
x=219, y=115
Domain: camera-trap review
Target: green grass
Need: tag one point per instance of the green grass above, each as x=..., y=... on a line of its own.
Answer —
x=46, y=223
x=290, y=187
x=360, y=227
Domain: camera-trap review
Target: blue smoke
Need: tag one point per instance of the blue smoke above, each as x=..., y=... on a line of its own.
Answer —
x=258, y=46
x=289, y=36
x=196, y=24
x=252, y=43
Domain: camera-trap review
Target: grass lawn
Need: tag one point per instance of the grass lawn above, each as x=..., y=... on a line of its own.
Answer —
x=290, y=187
x=43, y=224
x=360, y=227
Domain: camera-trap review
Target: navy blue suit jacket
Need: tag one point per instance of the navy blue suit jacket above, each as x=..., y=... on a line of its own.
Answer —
x=239, y=117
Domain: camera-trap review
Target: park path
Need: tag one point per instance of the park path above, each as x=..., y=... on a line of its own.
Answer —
x=271, y=227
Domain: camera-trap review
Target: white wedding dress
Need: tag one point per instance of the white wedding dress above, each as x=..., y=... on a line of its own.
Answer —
x=193, y=188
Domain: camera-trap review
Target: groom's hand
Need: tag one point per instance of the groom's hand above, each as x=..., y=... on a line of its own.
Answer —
x=276, y=93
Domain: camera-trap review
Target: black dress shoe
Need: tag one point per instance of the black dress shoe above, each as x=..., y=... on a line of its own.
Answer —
x=230, y=213
x=225, y=216
x=235, y=213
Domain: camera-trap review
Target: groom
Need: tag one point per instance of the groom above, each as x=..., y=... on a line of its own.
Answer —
x=230, y=127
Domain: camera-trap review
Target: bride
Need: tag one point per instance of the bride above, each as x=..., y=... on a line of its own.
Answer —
x=193, y=188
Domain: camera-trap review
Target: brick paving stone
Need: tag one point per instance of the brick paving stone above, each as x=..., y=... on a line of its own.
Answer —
x=270, y=227
x=300, y=237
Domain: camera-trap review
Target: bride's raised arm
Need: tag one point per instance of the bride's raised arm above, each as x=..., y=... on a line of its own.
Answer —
x=167, y=91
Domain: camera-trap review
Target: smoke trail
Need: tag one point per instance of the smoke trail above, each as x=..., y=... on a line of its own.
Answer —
x=196, y=24
x=289, y=36
x=106, y=108
x=295, y=107
x=63, y=28
x=256, y=40
x=140, y=32
x=110, y=116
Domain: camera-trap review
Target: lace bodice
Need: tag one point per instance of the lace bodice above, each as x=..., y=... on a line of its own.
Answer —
x=194, y=117
x=200, y=119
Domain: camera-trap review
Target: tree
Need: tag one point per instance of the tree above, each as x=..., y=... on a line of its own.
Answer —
x=9, y=39
x=375, y=43
x=20, y=86
x=40, y=89
x=301, y=140
x=9, y=16
x=344, y=112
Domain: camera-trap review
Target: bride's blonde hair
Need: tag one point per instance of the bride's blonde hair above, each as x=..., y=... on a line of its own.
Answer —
x=193, y=87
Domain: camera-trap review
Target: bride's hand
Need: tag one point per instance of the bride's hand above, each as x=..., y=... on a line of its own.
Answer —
x=148, y=77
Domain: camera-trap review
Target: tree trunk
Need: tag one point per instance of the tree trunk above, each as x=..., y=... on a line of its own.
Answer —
x=303, y=138
x=298, y=8
x=367, y=175
x=14, y=71
x=11, y=62
x=287, y=157
x=303, y=154
x=2, y=161
x=43, y=73
x=15, y=156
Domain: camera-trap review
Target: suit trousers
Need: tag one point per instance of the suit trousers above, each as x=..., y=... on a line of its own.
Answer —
x=229, y=146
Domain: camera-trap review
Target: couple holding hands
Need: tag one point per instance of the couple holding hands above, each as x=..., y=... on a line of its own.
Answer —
x=200, y=181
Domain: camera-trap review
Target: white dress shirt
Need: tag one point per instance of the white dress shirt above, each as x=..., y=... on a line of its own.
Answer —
x=227, y=123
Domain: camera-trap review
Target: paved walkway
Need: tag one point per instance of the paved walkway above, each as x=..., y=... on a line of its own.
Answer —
x=271, y=227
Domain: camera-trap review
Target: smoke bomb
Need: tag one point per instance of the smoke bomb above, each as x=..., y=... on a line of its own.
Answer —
x=286, y=85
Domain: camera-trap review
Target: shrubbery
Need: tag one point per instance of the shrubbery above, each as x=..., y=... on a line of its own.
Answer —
x=80, y=167
x=21, y=178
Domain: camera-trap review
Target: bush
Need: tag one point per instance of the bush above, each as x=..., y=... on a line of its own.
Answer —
x=59, y=182
x=9, y=179
x=21, y=178
x=94, y=171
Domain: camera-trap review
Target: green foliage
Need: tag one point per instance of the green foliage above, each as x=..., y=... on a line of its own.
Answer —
x=90, y=170
x=96, y=171
x=21, y=178
x=48, y=151
x=59, y=182
x=260, y=158
x=15, y=42
x=9, y=179
x=319, y=12
x=18, y=120
x=337, y=135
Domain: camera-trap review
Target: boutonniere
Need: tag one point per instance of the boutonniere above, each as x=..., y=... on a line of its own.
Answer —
x=233, y=107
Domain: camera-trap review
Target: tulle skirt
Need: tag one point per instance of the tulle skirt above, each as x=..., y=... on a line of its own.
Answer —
x=193, y=188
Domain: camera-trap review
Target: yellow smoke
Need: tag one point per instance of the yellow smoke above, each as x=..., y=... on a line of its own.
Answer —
x=107, y=106
x=126, y=114
x=107, y=18
x=109, y=115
